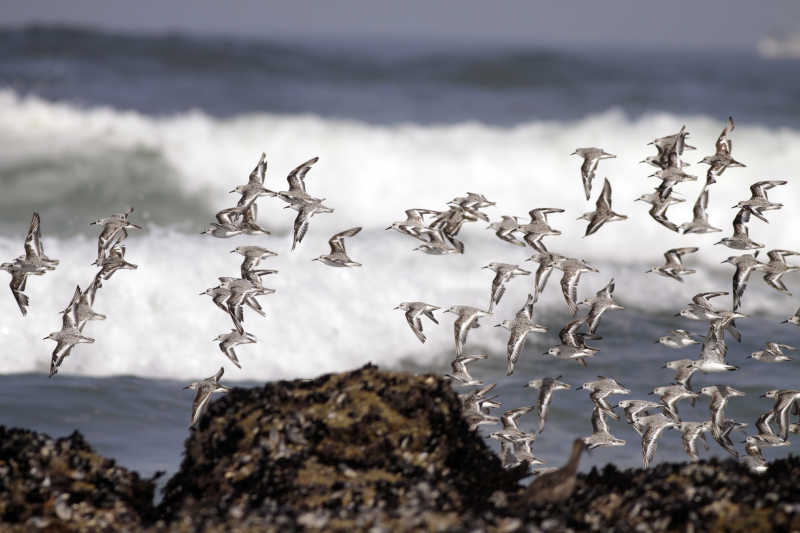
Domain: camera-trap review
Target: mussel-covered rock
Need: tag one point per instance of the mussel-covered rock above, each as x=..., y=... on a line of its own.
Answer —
x=343, y=451
x=62, y=485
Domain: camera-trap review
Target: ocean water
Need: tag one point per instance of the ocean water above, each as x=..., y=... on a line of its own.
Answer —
x=91, y=123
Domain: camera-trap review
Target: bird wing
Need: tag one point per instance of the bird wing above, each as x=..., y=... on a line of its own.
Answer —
x=724, y=144
x=415, y=324
x=258, y=173
x=337, y=241
x=296, y=177
x=32, y=242
x=604, y=200
x=569, y=287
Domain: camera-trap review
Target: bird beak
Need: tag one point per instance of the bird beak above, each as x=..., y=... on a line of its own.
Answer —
x=398, y=307
x=388, y=228
x=234, y=190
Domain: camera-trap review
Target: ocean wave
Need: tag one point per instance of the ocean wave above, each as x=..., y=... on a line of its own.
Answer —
x=320, y=319
x=75, y=164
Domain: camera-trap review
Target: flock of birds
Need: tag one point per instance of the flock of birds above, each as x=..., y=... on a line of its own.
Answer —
x=648, y=418
x=437, y=232
x=78, y=312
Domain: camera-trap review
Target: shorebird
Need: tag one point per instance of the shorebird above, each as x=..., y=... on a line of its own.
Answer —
x=114, y=261
x=740, y=240
x=461, y=375
x=636, y=409
x=722, y=157
x=254, y=188
x=754, y=460
x=602, y=213
x=794, y=319
x=81, y=307
x=699, y=223
x=701, y=308
x=297, y=184
x=438, y=244
x=66, y=338
x=519, y=448
x=305, y=210
x=675, y=143
x=546, y=386
x=679, y=338
x=505, y=228
x=759, y=199
x=204, y=389
x=572, y=269
x=777, y=267
x=503, y=274
x=659, y=206
x=773, y=353
x=745, y=265
x=670, y=177
x=19, y=274
x=414, y=225
x=252, y=256
x=766, y=436
x=685, y=370
x=114, y=231
x=719, y=399
x=227, y=342
x=600, y=435
x=690, y=433
x=467, y=318
x=241, y=292
x=547, y=261
x=520, y=327
x=591, y=158
x=652, y=427
x=558, y=485
x=602, y=302
x=673, y=266
x=476, y=400
x=538, y=228
x=573, y=344
x=414, y=312
x=510, y=424
x=714, y=350
x=338, y=256
x=34, y=249
x=601, y=389
x=722, y=435
x=784, y=398
x=670, y=395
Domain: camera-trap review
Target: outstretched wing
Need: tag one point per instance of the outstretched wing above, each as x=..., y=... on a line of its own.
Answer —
x=337, y=241
x=296, y=177
x=258, y=173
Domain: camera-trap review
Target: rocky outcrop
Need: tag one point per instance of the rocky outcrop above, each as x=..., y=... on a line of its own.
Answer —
x=62, y=485
x=366, y=451
x=341, y=452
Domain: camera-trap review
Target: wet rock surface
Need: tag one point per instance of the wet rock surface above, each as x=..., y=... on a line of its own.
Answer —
x=342, y=451
x=62, y=485
x=366, y=451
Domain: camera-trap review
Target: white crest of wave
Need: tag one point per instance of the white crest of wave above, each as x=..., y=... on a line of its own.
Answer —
x=324, y=319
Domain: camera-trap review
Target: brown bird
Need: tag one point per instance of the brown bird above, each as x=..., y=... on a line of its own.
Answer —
x=558, y=485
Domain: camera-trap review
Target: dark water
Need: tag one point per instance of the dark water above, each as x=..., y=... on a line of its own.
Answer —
x=389, y=82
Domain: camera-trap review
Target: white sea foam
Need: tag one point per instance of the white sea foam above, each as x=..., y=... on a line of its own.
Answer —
x=323, y=319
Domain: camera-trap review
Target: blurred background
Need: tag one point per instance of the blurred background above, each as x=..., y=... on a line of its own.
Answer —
x=168, y=105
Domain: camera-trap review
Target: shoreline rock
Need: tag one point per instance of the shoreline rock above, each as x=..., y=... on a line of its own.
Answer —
x=366, y=450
